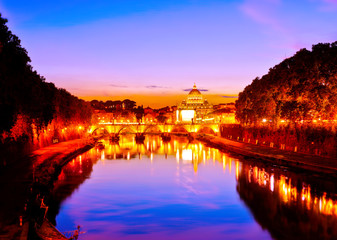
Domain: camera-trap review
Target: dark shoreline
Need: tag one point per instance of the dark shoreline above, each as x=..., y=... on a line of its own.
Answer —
x=45, y=175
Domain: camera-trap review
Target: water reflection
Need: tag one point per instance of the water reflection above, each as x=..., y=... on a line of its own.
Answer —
x=289, y=205
x=127, y=148
x=71, y=177
x=182, y=189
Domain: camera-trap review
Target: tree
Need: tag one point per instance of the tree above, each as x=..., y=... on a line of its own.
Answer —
x=161, y=118
x=26, y=99
x=303, y=87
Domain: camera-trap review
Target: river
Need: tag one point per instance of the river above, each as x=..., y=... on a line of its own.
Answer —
x=186, y=190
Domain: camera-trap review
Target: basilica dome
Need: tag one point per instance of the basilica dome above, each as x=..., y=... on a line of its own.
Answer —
x=194, y=108
x=194, y=91
x=194, y=97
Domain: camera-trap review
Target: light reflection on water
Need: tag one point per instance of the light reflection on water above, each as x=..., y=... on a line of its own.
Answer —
x=182, y=190
x=289, y=192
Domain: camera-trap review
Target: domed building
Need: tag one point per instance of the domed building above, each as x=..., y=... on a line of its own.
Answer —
x=194, y=108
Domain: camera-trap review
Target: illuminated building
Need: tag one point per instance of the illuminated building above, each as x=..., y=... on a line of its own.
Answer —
x=149, y=118
x=194, y=108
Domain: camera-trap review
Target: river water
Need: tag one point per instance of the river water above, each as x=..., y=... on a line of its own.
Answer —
x=186, y=190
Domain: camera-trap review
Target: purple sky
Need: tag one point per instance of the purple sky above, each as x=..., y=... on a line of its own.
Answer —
x=123, y=48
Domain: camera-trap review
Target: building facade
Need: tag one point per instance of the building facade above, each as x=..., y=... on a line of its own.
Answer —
x=194, y=109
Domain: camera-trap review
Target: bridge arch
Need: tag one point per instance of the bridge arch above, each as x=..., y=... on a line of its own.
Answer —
x=207, y=130
x=154, y=128
x=100, y=129
x=125, y=128
x=157, y=128
x=179, y=129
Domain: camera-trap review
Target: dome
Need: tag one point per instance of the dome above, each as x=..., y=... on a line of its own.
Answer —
x=194, y=91
x=194, y=108
x=194, y=97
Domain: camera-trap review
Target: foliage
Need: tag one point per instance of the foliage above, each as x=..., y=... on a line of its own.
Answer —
x=302, y=87
x=110, y=106
x=27, y=102
x=162, y=118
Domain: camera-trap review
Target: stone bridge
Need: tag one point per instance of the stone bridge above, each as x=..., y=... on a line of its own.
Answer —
x=141, y=128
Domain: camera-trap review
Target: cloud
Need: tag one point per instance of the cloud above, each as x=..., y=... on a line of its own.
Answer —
x=270, y=14
x=329, y=5
x=201, y=90
x=229, y=96
x=263, y=12
x=118, y=86
x=74, y=89
x=155, y=86
x=333, y=2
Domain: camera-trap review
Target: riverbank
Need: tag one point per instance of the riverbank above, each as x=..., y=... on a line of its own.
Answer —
x=280, y=157
x=34, y=181
x=51, y=158
x=48, y=163
x=302, y=138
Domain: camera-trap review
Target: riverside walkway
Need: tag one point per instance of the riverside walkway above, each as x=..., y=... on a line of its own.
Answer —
x=282, y=157
x=58, y=151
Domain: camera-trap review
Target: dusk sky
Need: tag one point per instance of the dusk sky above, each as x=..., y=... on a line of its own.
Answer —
x=152, y=50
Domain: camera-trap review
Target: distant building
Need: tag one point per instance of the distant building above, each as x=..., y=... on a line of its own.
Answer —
x=225, y=113
x=148, y=110
x=164, y=110
x=224, y=105
x=194, y=108
x=150, y=118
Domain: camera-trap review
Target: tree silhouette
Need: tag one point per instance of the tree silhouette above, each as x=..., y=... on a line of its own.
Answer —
x=26, y=99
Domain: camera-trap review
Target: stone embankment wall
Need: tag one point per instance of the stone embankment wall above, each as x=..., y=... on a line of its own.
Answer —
x=316, y=140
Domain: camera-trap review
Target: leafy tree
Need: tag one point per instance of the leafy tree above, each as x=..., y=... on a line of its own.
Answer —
x=303, y=87
x=26, y=99
x=161, y=118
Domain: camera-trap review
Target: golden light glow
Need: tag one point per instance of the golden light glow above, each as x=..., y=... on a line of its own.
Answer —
x=237, y=170
x=189, y=153
x=289, y=193
x=224, y=162
x=187, y=115
x=159, y=101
